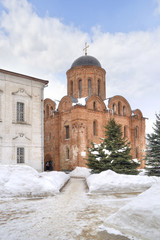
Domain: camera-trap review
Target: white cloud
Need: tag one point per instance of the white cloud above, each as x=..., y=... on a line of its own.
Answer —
x=157, y=10
x=46, y=48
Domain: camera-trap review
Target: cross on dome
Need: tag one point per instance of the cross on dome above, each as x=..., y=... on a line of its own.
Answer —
x=85, y=49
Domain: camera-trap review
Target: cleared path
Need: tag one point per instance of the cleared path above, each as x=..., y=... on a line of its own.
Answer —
x=71, y=215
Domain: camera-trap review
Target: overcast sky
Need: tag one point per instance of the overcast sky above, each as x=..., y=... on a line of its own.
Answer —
x=43, y=38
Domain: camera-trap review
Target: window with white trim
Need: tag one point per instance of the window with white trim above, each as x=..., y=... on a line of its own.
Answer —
x=20, y=155
x=20, y=112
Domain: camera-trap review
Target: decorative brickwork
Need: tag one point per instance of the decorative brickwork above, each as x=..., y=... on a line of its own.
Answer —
x=83, y=114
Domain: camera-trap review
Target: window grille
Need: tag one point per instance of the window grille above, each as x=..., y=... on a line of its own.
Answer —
x=20, y=155
x=20, y=112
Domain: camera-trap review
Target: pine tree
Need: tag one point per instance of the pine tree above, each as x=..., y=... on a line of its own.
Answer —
x=98, y=158
x=153, y=150
x=112, y=153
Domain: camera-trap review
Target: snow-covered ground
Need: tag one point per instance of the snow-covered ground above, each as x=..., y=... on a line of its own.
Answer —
x=141, y=216
x=24, y=181
x=71, y=215
x=111, y=205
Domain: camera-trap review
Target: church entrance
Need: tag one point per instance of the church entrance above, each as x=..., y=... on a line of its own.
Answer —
x=48, y=163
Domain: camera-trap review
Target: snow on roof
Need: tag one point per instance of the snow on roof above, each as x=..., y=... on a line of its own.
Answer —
x=57, y=104
x=79, y=101
x=106, y=102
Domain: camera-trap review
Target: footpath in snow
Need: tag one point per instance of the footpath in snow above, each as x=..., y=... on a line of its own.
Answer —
x=139, y=217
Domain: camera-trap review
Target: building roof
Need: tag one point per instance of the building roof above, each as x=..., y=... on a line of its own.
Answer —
x=24, y=76
x=86, y=60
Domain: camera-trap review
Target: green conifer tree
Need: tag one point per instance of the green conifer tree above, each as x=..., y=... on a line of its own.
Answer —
x=112, y=153
x=153, y=150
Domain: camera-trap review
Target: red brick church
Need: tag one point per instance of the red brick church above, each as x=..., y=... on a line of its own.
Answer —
x=78, y=119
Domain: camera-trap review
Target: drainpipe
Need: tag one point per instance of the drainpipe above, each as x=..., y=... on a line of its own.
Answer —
x=42, y=128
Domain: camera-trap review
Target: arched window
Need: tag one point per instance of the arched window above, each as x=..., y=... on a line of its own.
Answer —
x=136, y=132
x=137, y=152
x=89, y=87
x=125, y=131
x=114, y=108
x=47, y=111
x=98, y=87
x=67, y=132
x=80, y=88
x=67, y=153
x=119, y=108
x=94, y=106
x=51, y=110
x=124, y=111
x=94, y=128
x=71, y=92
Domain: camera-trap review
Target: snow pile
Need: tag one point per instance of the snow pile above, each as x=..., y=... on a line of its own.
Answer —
x=109, y=181
x=80, y=172
x=24, y=181
x=141, y=216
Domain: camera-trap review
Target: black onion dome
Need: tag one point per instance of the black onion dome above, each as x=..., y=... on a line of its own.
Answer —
x=86, y=60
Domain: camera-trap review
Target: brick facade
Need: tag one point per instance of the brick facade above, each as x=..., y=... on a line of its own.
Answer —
x=79, y=118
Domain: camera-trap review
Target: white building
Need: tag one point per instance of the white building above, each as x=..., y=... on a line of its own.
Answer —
x=21, y=119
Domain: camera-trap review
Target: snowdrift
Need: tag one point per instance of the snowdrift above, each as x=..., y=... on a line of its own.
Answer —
x=81, y=172
x=111, y=182
x=24, y=181
x=141, y=216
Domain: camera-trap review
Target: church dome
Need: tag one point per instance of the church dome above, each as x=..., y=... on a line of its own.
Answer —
x=86, y=60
